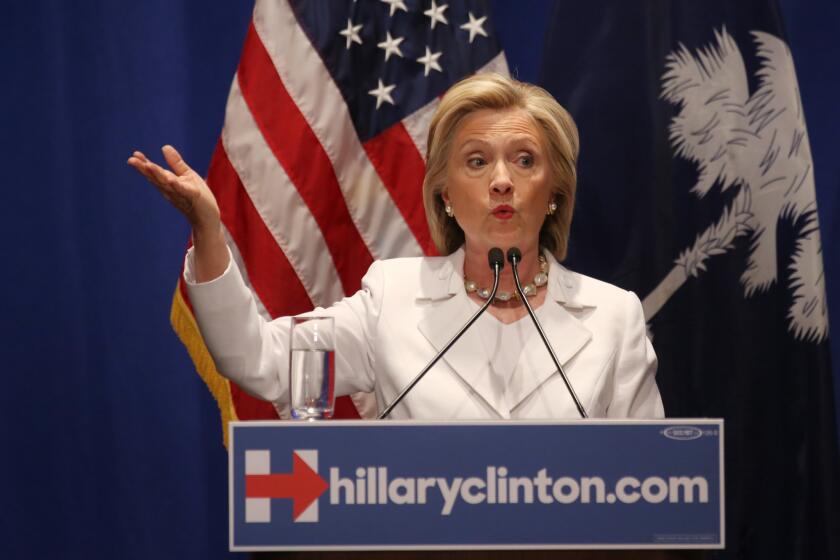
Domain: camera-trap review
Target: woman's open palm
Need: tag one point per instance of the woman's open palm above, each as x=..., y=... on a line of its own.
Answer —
x=181, y=186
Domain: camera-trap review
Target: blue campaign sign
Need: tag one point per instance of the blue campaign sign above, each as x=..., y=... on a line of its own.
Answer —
x=445, y=485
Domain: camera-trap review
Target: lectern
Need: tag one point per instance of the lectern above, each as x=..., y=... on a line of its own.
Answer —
x=467, y=486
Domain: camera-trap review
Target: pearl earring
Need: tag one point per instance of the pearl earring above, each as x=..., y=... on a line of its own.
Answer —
x=552, y=208
x=448, y=210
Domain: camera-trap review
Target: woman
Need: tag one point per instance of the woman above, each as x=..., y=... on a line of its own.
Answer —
x=500, y=173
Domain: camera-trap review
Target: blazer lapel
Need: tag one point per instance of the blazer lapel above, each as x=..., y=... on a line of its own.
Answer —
x=564, y=331
x=449, y=309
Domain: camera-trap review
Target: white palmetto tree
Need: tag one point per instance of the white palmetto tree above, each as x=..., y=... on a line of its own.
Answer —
x=758, y=145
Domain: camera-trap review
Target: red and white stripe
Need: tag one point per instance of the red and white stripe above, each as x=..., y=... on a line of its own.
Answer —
x=310, y=86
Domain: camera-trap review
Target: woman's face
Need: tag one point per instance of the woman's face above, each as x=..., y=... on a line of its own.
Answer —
x=498, y=179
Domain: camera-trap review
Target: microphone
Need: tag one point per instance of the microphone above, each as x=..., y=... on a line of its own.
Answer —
x=496, y=260
x=514, y=255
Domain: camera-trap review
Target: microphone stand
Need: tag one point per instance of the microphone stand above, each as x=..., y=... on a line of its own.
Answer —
x=514, y=255
x=497, y=263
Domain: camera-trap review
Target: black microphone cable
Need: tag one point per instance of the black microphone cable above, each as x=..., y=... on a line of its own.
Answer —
x=497, y=261
x=514, y=255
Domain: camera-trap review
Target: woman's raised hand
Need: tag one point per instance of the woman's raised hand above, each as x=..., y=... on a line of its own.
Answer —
x=182, y=187
x=188, y=192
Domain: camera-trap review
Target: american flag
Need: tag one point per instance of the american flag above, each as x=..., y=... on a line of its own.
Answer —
x=320, y=163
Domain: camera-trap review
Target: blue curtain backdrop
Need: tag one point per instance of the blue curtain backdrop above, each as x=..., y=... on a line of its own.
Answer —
x=112, y=445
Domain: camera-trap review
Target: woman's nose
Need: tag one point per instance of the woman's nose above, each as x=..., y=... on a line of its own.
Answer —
x=500, y=180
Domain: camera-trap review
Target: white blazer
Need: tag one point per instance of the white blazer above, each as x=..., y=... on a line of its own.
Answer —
x=408, y=308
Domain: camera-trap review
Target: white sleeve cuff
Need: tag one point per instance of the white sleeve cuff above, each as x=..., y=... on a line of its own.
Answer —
x=189, y=268
x=225, y=290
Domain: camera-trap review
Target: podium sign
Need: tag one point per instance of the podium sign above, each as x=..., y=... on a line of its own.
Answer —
x=350, y=485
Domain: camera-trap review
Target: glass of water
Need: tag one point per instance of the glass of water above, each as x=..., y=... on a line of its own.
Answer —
x=312, y=367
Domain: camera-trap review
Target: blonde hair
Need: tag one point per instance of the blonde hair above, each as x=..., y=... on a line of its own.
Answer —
x=493, y=91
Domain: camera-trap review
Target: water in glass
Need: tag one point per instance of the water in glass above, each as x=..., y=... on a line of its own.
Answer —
x=313, y=372
x=312, y=367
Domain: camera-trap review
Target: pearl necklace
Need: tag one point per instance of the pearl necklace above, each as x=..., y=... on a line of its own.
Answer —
x=530, y=290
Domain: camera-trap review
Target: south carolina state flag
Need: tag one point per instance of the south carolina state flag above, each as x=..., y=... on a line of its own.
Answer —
x=697, y=192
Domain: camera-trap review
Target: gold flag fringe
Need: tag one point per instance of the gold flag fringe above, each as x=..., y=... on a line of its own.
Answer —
x=185, y=327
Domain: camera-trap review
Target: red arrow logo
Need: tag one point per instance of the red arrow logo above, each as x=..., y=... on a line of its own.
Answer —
x=303, y=486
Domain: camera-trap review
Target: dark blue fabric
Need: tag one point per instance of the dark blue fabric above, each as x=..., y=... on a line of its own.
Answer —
x=112, y=445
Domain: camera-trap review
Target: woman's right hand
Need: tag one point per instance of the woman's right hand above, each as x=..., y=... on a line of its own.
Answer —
x=182, y=187
x=187, y=191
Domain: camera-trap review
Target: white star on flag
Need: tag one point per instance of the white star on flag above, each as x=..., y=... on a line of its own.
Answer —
x=430, y=61
x=474, y=26
x=396, y=5
x=435, y=13
x=391, y=45
x=351, y=33
x=382, y=93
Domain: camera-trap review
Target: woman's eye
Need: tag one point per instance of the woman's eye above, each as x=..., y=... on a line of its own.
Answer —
x=526, y=160
x=475, y=162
